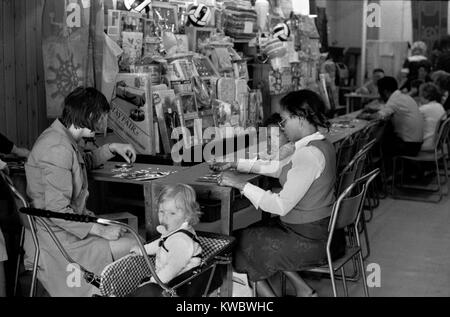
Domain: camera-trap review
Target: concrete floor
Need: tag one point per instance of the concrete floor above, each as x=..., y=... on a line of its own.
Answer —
x=410, y=241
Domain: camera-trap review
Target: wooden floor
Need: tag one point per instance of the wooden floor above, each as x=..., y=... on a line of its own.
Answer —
x=411, y=243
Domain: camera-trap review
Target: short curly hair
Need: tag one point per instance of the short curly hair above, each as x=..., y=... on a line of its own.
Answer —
x=185, y=199
x=84, y=107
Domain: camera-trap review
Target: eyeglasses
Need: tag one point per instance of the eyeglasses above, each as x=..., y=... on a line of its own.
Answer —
x=282, y=123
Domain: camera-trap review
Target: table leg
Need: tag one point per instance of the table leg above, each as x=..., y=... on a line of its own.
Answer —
x=226, y=217
x=151, y=190
x=347, y=110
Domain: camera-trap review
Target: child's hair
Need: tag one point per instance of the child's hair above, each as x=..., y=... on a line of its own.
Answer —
x=185, y=199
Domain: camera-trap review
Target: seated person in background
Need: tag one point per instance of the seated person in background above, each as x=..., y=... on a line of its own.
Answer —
x=443, y=58
x=57, y=180
x=432, y=111
x=406, y=120
x=442, y=80
x=414, y=91
x=8, y=147
x=423, y=72
x=370, y=88
x=178, y=249
x=412, y=64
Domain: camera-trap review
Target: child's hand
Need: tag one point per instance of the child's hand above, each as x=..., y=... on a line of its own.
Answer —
x=136, y=250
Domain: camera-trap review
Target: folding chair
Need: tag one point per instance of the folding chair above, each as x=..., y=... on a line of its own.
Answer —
x=345, y=152
x=438, y=154
x=124, y=276
x=27, y=222
x=352, y=172
x=346, y=213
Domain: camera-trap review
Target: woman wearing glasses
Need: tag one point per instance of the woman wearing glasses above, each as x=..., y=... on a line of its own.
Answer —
x=296, y=238
x=57, y=180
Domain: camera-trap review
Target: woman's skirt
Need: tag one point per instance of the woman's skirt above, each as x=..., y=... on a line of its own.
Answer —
x=270, y=246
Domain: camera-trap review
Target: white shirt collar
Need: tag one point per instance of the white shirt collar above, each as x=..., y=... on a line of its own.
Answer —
x=313, y=137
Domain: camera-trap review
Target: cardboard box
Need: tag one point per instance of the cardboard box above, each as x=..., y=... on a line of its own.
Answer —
x=131, y=115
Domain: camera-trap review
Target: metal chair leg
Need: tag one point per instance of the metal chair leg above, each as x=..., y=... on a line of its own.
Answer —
x=438, y=179
x=35, y=262
x=446, y=175
x=394, y=163
x=363, y=274
x=19, y=260
x=366, y=237
x=333, y=282
x=344, y=282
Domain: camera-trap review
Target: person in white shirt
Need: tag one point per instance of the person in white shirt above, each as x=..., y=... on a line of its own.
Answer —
x=432, y=111
x=297, y=237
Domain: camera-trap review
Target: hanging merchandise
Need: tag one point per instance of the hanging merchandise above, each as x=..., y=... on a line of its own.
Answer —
x=281, y=31
x=111, y=53
x=199, y=15
x=240, y=23
x=262, y=10
x=138, y=5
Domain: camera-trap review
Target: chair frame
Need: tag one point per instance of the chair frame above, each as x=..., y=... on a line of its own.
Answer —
x=353, y=171
x=441, y=138
x=168, y=291
x=29, y=223
x=336, y=213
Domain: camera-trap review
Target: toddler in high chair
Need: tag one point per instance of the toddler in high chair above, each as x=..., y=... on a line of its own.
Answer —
x=178, y=249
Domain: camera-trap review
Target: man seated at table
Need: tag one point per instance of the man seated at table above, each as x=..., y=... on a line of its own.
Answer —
x=407, y=122
x=370, y=88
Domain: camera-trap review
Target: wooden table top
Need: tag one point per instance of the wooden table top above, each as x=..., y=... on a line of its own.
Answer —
x=191, y=175
x=356, y=95
x=343, y=126
x=109, y=169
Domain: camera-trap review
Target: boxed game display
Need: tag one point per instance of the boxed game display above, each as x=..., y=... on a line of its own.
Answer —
x=131, y=115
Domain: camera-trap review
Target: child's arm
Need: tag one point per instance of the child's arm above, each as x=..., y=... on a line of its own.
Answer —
x=181, y=250
x=150, y=248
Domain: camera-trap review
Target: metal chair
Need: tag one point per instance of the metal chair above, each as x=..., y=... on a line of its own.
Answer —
x=347, y=211
x=124, y=276
x=27, y=222
x=352, y=172
x=438, y=154
x=345, y=152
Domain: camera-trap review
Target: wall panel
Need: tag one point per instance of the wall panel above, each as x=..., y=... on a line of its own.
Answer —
x=22, y=95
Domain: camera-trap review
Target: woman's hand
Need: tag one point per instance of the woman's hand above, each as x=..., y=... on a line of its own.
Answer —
x=110, y=233
x=127, y=151
x=230, y=180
